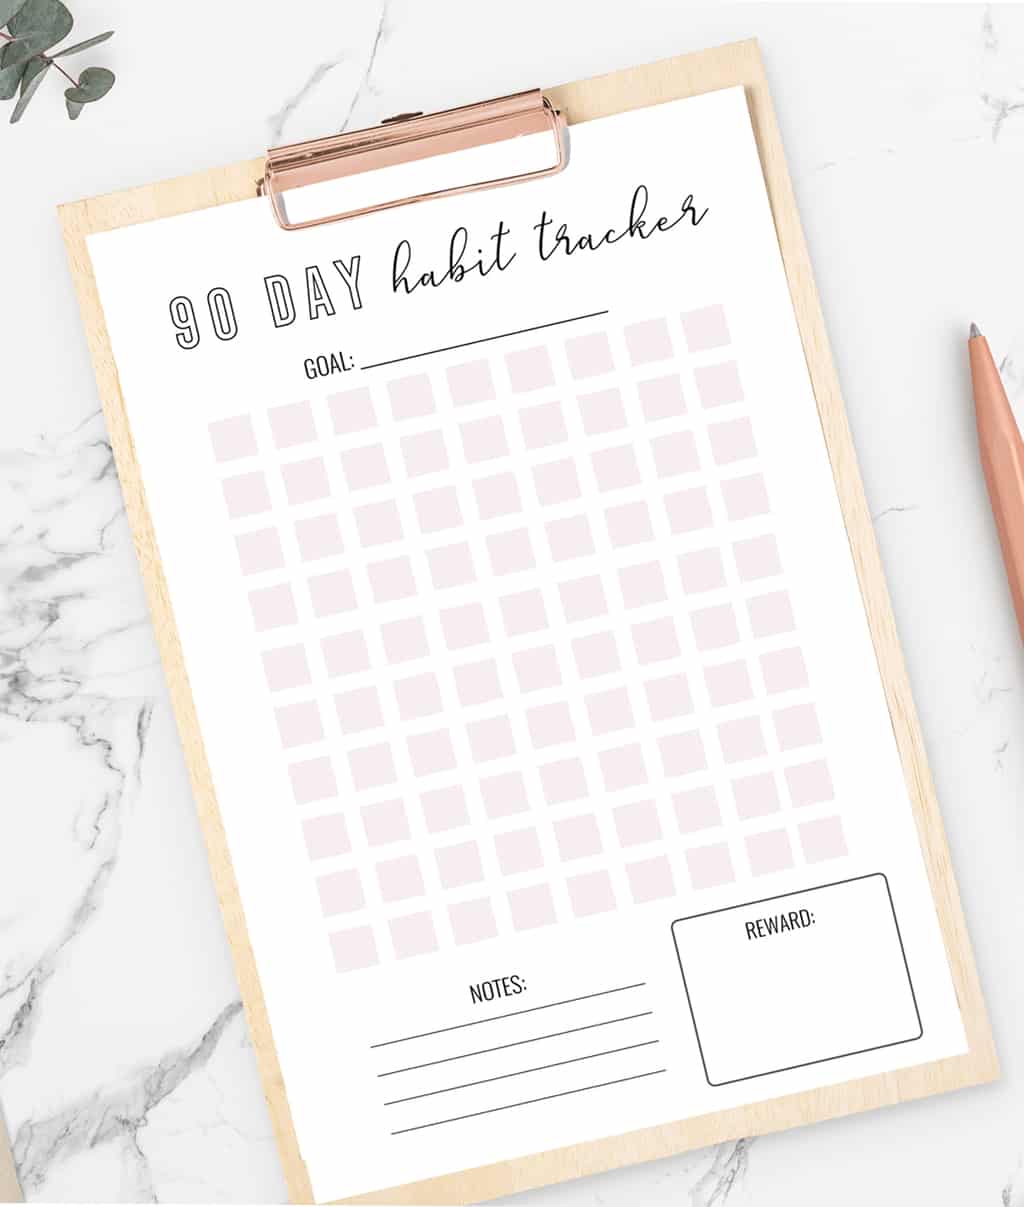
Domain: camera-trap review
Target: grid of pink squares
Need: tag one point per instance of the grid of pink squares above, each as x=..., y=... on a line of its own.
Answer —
x=383, y=856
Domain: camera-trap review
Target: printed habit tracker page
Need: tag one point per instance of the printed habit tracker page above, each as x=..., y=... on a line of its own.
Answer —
x=528, y=653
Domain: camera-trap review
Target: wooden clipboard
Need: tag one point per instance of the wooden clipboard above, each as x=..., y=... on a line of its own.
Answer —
x=670, y=79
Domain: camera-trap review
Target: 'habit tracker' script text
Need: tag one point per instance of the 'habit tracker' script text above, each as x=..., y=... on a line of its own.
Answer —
x=322, y=288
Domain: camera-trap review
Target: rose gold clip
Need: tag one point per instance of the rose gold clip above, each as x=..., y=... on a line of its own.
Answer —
x=407, y=138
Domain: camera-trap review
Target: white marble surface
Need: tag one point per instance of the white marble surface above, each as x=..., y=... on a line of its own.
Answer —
x=125, y=1068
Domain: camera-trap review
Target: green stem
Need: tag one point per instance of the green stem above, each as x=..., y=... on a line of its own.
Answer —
x=46, y=59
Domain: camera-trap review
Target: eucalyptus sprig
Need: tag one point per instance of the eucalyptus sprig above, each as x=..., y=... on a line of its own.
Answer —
x=29, y=31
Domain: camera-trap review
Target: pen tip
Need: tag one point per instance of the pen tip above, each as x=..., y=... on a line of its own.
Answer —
x=974, y=331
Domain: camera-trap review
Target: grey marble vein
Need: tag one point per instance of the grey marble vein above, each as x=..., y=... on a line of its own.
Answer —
x=280, y=119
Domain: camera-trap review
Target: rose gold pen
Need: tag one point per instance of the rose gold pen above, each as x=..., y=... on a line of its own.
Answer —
x=1002, y=459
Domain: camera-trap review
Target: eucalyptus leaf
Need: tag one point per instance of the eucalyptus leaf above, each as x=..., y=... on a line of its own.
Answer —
x=18, y=51
x=7, y=10
x=83, y=45
x=74, y=108
x=41, y=23
x=29, y=90
x=93, y=83
x=10, y=78
x=32, y=68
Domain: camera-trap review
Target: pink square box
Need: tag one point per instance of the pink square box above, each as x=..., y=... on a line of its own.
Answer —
x=365, y=467
x=400, y=878
x=491, y=739
x=696, y=809
x=583, y=598
x=531, y=907
x=732, y=441
x=655, y=640
x=319, y=536
x=477, y=683
x=705, y=328
x=745, y=497
x=784, y=670
x=701, y=570
x=682, y=753
x=741, y=739
x=616, y=468
x=286, y=667
x=755, y=795
x=529, y=369
x=578, y=837
x=675, y=453
x=413, y=935
x=562, y=781
x=651, y=880
x=259, y=551
x=472, y=921
x=292, y=424
x=430, y=753
x=331, y=593
x=411, y=396
x=642, y=585
x=623, y=767
x=769, y=852
x=596, y=655
x=371, y=766
x=484, y=439
x=444, y=809
x=757, y=558
x=518, y=851
x=418, y=696
x=391, y=580
x=809, y=783
x=648, y=341
x=470, y=382
x=797, y=726
x=404, y=640
x=233, y=438
x=385, y=822
x=497, y=496
x=424, y=453
x=589, y=355
x=543, y=425
x=351, y=411
x=326, y=837
x=570, y=538
x=661, y=398
x=523, y=612
x=710, y=866
x=305, y=481
x=719, y=384
x=510, y=552
x=591, y=893
x=822, y=839
x=688, y=510
x=345, y=654
x=504, y=795
x=602, y=412
x=771, y=614
x=299, y=724
x=637, y=823
x=714, y=627
x=629, y=524
x=340, y=892
x=464, y=626
x=451, y=566
x=556, y=482
x=246, y=494
x=378, y=523
x=668, y=697
x=312, y=780
x=728, y=683
x=437, y=509
x=354, y=949
x=550, y=724
x=459, y=865
x=537, y=669
x=609, y=711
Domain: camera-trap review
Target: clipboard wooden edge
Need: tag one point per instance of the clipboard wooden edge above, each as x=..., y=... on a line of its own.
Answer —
x=670, y=79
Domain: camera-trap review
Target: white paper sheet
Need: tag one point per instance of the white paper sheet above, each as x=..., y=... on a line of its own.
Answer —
x=529, y=655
